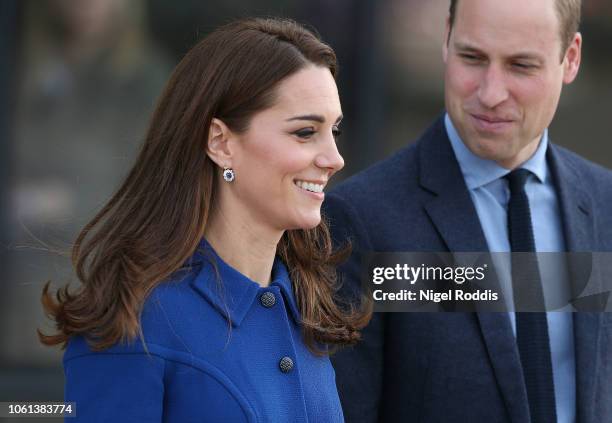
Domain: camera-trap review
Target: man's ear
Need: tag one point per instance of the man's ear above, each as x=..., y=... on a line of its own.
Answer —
x=219, y=147
x=571, y=61
x=446, y=40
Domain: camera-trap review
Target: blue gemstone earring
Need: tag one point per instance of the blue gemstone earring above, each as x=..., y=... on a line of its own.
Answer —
x=228, y=174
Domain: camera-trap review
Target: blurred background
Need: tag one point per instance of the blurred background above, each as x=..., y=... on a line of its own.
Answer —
x=79, y=79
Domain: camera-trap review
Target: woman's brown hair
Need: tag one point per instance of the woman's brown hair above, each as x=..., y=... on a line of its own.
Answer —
x=155, y=221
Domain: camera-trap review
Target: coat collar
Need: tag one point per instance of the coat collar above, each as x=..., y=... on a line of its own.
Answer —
x=230, y=292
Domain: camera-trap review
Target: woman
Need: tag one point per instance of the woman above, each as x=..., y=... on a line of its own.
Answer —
x=208, y=279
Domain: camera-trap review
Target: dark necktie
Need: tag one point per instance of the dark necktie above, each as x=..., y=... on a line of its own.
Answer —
x=531, y=327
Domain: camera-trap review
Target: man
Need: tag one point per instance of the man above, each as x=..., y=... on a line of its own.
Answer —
x=506, y=63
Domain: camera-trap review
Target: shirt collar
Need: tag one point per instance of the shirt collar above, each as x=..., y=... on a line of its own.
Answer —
x=479, y=172
x=230, y=292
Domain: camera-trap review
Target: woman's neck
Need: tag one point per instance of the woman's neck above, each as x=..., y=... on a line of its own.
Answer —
x=245, y=247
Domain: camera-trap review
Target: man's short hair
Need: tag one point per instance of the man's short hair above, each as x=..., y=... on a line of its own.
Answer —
x=568, y=12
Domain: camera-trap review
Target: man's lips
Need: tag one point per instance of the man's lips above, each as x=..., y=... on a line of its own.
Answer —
x=491, y=124
x=492, y=119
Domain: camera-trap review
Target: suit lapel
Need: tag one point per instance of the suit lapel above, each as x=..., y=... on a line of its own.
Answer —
x=577, y=219
x=504, y=356
x=451, y=209
x=454, y=216
x=574, y=202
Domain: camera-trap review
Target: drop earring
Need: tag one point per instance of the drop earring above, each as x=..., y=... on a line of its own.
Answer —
x=228, y=174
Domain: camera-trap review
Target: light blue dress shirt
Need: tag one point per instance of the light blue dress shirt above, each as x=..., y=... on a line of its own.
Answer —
x=490, y=194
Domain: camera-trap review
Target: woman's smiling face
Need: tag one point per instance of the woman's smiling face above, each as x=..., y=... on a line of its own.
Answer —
x=285, y=158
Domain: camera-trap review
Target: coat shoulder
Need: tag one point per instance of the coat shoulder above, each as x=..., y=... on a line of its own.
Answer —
x=171, y=301
x=595, y=177
x=584, y=164
x=396, y=175
x=382, y=178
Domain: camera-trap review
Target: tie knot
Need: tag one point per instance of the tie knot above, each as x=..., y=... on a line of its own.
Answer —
x=516, y=180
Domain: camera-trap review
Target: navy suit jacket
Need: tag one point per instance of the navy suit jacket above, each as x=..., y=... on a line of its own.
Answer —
x=457, y=367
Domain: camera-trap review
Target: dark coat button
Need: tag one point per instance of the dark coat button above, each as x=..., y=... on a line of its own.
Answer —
x=286, y=364
x=267, y=299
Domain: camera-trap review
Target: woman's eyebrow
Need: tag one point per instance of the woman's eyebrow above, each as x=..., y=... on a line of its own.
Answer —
x=313, y=117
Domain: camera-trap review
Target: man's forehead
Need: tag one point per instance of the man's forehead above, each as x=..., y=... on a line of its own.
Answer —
x=507, y=27
x=516, y=14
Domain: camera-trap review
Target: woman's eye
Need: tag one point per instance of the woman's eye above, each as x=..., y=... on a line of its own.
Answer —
x=305, y=133
x=336, y=132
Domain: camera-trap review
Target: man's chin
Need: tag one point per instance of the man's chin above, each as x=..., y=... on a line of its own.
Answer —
x=493, y=149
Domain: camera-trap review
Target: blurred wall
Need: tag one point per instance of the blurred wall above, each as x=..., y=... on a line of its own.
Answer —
x=86, y=75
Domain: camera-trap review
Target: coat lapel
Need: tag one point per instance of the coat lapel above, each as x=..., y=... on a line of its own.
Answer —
x=577, y=219
x=454, y=216
x=451, y=209
x=574, y=202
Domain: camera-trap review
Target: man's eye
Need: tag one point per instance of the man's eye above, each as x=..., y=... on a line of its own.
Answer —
x=523, y=66
x=305, y=133
x=470, y=57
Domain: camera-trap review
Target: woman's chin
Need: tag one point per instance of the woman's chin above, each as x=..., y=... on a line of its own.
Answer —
x=308, y=222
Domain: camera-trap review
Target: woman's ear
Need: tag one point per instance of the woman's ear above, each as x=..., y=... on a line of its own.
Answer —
x=218, y=147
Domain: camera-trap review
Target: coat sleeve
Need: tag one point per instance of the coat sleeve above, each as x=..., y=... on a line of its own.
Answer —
x=359, y=369
x=115, y=387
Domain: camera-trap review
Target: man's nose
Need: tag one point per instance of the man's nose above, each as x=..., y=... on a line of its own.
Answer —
x=493, y=88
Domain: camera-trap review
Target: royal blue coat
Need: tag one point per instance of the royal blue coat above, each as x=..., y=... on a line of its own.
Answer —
x=198, y=366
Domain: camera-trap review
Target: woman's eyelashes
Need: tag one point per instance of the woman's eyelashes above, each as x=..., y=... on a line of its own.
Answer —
x=304, y=133
x=307, y=133
x=336, y=131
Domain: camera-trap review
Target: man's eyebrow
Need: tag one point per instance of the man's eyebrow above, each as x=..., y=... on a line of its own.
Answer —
x=528, y=56
x=524, y=55
x=315, y=118
x=467, y=47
